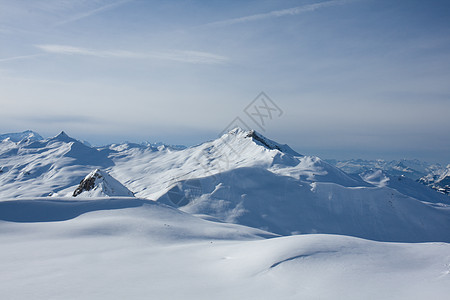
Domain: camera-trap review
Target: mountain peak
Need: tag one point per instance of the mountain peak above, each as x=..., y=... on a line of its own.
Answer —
x=62, y=134
x=62, y=137
x=261, y=140
x=99, y=183
x=237, y=130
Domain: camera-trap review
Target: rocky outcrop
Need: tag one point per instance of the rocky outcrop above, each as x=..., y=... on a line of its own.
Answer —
x=99, y=183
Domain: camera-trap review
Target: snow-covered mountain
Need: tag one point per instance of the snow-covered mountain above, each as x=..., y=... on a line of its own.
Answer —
x=17, y=137
x=101, y=184
x=38, y=168
x=155, y=172
x=241, y=177
x=282, y=204
x=438, y=180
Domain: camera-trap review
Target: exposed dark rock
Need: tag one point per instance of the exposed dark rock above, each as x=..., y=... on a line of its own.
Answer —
x=256, y=137
x=87, y=184
x=101, y=184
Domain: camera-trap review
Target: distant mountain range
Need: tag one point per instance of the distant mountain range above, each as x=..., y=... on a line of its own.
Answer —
x=17, y=137
x=433, y=175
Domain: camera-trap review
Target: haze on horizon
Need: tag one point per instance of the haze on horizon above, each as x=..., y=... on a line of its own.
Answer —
x=353, y=78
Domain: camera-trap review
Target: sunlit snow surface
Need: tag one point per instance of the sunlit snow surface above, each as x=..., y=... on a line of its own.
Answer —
x=136, y=249
x=239, y=217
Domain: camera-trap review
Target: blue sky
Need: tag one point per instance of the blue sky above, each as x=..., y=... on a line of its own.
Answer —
x=355, y=78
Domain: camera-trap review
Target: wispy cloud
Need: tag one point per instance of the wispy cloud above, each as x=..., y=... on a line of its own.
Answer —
x=195, y=57
x=93, y=12
x=281, y=13
x=70, y=50
x=7, y=59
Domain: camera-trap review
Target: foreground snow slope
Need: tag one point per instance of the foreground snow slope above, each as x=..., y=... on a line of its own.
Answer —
x=137, y=249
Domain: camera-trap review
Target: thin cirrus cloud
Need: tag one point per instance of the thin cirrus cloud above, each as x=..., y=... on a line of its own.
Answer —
x=281, y=13
x=195, y=57
x=20, y=57
x=92, y=12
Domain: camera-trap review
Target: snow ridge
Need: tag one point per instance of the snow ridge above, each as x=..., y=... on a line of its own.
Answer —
x=263, y=141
